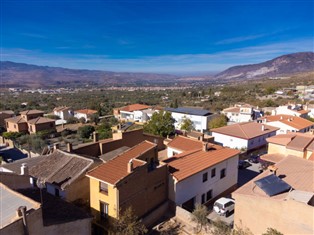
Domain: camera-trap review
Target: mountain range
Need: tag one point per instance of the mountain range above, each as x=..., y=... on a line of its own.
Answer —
x=26, y=75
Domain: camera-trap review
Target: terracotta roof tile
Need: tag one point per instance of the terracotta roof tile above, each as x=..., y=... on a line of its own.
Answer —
x=134, y=107
x=116, y=169
x=17, y=119
x=183, y=143
x=34, y=111
x=296, y=141
x=86, y=111
x=295, y=122
x=246, y=130
x=311, y=158
x=191, y=162
x=232, y=110
x=40, y=120
x=297, y=172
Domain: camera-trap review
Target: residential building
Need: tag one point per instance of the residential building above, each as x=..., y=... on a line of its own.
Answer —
x=63, y=112
x=202, y=174
x=199, y=117
x=248, y=135
x=22, y=213
x=118, y=140
x=62, y=173
x=310, y=108
x=132, y=179
x=134, y=112
x=291, y=109
x=240, y=113
x=287, y=123
x=181, y=144
x=297, y=144
x=280, y=198
x=30, y=121
x=4, y=115
x=84, y=113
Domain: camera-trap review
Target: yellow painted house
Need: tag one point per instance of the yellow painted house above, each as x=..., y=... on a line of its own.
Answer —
x=132, y=179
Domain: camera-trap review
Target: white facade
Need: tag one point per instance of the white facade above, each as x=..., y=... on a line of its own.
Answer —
x=288, y=110
x=194, y=187
x=239, y=143
x=284, y=128
x=200, y=123
x=64, y=114
x=171, y=151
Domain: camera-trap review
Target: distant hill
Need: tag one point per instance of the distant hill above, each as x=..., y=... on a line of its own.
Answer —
x=19, y=74
x=280, y=66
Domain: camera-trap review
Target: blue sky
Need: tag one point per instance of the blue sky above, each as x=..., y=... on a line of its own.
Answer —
x=154, y=35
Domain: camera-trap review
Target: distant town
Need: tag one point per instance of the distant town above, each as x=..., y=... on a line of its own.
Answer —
x=183, y=160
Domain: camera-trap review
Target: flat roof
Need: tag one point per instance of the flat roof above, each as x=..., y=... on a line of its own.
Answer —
x=191, y=111
x=10, y=201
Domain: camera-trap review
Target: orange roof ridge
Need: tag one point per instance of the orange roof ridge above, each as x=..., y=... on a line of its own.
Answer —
x=240, y=125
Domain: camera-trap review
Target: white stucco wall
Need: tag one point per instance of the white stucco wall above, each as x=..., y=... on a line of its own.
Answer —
x=194, y=186
x=172, y=151
x=238, y=143
x=200, y=122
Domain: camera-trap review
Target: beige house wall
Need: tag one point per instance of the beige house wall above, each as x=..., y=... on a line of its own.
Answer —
x=79, y=189
x=34, y=128
x=259, y=213
x=280, y=149
x=4, y=116
x=16, y=127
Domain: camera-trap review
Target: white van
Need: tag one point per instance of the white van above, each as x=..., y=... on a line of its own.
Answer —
x=224, y=206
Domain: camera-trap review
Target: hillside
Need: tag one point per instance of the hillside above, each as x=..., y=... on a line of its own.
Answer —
x=19, y=74
x=280, y=66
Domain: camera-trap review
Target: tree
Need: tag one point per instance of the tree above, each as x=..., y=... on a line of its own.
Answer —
x=94, y=118
x=72, y=120
x=217, y=121
x=12, y=135
x=161, y=124
x=220, y=228
x=272, y=231
x=187, y=124
x=128, y=224
x=199, y=215
x=85, y=131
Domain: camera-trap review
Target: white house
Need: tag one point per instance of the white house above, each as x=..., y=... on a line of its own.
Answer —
x=133, y=112
x=63, y=112
x=214, y=172
x=239, y=113
x=199, y=117
x=288, y=123
x=293, y=110
x=84, y=113
x=249, y=135
x=181, y=144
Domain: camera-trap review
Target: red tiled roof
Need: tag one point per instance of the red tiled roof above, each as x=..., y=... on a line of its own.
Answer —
x=293, y=121
x=17, y=119
x=86, y=111
x=246, y=130
x=232, y=110
x=297, y=172
x=296, y=141
x=116, y=169
x=185, y=144
x=134, y=107
x=191, y=162
x=34, y=111
x=311, y=158
x=40, y=120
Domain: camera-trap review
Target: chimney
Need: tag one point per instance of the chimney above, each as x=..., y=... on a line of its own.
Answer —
x=21, y=212
x=281, y=117
x=205, y=149
x=56, y=146
x=24, y=169
x=202, y=137
x=130, y=166
x=95, y=136
x=273, y=169
x=69, y=147
x=263, y=127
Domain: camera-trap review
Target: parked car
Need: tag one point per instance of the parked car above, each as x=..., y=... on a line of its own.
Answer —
x=254, y=159
x=224, y=206
x=242, y=164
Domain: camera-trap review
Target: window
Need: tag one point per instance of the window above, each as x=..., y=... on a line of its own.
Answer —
x=103, y=188
x=203, y=198
x=209, y=195
x=57, y=192
x=205, y=175
x=104, y=209
x=213, y=172
x=223, y=173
